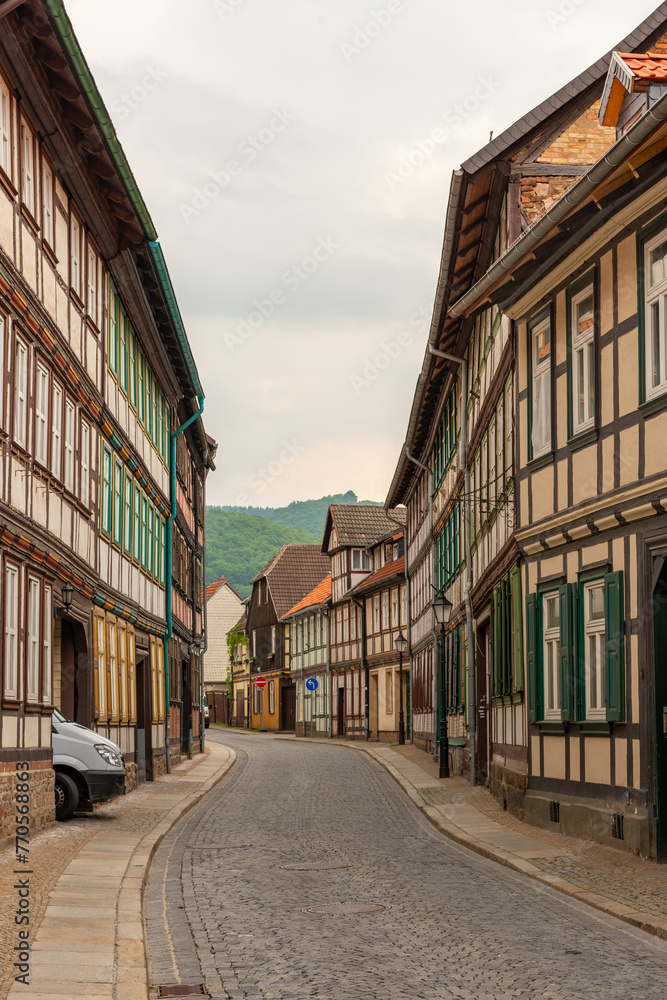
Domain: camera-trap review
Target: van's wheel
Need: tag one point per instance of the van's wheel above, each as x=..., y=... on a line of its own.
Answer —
x=67, y=796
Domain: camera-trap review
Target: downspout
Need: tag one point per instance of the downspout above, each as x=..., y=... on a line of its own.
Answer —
x=467, y=588
x=168, y=582
x=205, y=613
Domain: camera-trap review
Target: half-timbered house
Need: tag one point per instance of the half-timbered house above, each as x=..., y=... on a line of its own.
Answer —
x=307, y=644
x=96, y=378
x=240, y=668
x=292, y=573
x=350, y=533
x=585, y=288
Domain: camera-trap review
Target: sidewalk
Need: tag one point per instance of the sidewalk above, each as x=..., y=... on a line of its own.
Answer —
x=90, y=939
x=612, y=880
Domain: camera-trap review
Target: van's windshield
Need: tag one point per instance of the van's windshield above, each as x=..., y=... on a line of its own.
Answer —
x=58, y=716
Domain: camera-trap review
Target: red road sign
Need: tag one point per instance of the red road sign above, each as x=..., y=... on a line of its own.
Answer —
x=260, y=683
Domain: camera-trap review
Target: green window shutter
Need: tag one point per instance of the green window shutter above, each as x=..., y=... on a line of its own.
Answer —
x=614, y=646
x=533, y=657
x=517, y=627
x=495, y=624
x=568, y=627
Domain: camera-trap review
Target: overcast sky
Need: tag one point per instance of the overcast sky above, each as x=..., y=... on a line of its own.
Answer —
x=296, y=158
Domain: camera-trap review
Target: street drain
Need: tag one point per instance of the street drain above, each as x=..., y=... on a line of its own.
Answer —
x=344, y=909
x=217, y=847
x=182, y=991
x=317, y=866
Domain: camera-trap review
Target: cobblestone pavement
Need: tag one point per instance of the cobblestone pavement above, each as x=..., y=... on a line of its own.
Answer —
x=229, y=885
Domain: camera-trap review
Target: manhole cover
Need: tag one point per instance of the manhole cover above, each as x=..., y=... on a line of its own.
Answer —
x=343, y=909
x=182, y=991
x=316, y=866
x=217, y=847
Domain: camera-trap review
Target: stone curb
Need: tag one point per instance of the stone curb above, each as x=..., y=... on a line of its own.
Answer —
x=647, y=922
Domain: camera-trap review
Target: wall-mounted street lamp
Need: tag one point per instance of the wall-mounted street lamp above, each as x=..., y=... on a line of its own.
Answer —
x=401, y=644
x=67, y=595
x=442, y=609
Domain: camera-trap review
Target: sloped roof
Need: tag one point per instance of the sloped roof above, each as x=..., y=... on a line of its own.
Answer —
x=222, y=581
x=241, y=623
x=317, y=596
x=386, y=572
x=357, y=524
x=292, y=573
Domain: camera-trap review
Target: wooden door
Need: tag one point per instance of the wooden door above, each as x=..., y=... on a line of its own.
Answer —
x=373, y=706
x=144, y=733
x=288, y=708
x=660, y=681
x=482, y=706
x=341, y=711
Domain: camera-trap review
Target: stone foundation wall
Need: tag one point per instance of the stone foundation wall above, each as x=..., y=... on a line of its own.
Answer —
x=42, y=799
x=509, y=785
x=160, y=764
x=131, y=771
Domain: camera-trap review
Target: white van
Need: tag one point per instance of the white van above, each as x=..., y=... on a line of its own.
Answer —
x=89, y=768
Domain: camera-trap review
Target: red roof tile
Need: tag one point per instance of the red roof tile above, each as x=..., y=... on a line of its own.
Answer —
x=647, y=65
x=222, y=581
x=395, y=568
x=317, y=596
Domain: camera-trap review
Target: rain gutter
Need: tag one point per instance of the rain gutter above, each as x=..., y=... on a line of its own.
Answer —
x=573, y=198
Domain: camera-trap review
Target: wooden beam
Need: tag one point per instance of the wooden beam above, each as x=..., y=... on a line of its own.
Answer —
x=549, y=169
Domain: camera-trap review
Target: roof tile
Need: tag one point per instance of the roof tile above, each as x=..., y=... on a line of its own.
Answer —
x=293, y=572
x=317, y=596
x=358, y=524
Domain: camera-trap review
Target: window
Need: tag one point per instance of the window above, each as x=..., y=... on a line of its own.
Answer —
x=551, y=655
x=507, y=627
x=394, y=608
x=163, y=549
x=100, y=670
x=56, y=430
x=106, y=492
x=360, y=560
x=75, y=256
x=404, y=604
x=41, y=415
x=136, y=532
x=3, y=327
x=5, y=130
x=122, y=351
x=112, y=345
x=272, y=699
x=122, y=673
x=448, y=550
x=390, y=691
x=594, y=638
x=48, y=202
x=446, y=440
x=132, y=367
x=376, y=613
x=582, y=360
x=91, y=274
x=131, y=684
x=655, y=318
x=47, y=668
x=144, y=532
x=113, y=670
x=34, y=640
x=273, y=638
x=84, y=464
x=586, y=628
x=21, y=394
x=540, y=355
x=357, y=689
x=117, y=501
x=11, y=658
x=385, y=610
x=254, y=643
x=150, y=540
x=28, y=168
x=70, y=444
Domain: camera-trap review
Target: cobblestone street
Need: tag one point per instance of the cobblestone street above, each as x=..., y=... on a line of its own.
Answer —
x=295, y=826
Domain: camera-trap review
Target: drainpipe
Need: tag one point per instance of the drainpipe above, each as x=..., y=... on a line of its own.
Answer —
x=467, y=588
x=168, y=583
x=204, y=612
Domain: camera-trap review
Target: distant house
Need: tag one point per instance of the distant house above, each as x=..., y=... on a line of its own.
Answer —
x=289, y=576
x=240, y=666
x=223, y=610
x=307, y=638
x=350, y=534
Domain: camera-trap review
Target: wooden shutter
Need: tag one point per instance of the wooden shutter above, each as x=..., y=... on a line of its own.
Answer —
x=533, y=657
x=614, y=647
x=131, y=676
x=517, y=627
x=568, y=593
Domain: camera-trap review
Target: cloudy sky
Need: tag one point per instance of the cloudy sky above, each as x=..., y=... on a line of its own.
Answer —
x=296, y=159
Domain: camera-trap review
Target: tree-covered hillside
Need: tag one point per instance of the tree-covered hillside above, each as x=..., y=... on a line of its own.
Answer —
x=238, y=546
x=306, y=515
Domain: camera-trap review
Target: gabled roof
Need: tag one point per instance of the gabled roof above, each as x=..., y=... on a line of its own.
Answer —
x=358, y=524
x=386, y=572
x=629, y=73
x=318, y=596
x=222, y=581
x=293, y=572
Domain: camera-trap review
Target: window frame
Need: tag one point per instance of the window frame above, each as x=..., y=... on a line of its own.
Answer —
x=76, y=262
x=11, y=632
x=576, y=293
x=551, y=642
x=85, y=454
x=69, y=453
x=543, y=370
x=594, y=627
x=650, y=297
x=56, y=437
x=33, y=640
x=22, y=405
x=6, y=130
x=28, y=169
x=106, y=494
x=41, y=412
x=48, y=193
x=117, y=494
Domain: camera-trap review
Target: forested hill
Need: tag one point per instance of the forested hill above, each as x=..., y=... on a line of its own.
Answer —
x=238, y=546
x=241, y=540
x=306, y=515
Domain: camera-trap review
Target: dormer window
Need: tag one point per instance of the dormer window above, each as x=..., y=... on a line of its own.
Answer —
x=634, y=83
x=360, y=560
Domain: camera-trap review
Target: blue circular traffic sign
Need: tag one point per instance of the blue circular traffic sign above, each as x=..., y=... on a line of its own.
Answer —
x=311, y=684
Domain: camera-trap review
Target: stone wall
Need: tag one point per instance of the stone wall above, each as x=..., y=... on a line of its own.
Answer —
x=42, y=798
x=510, y=787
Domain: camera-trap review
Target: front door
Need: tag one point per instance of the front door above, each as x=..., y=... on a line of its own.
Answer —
x=660, y=675
x=185, y=707
x=144, y=724
x=288, y=707
x=482, y=704
x=341, y=711
x=373, y=706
